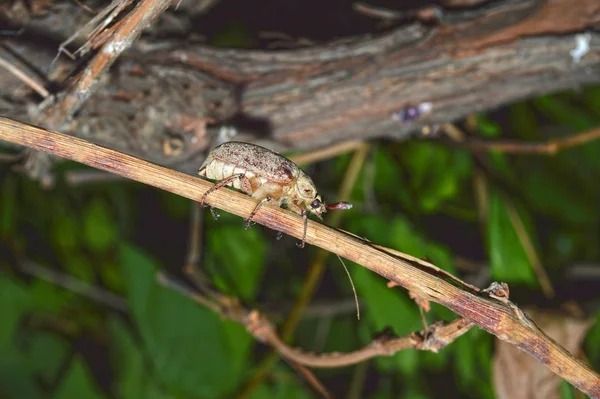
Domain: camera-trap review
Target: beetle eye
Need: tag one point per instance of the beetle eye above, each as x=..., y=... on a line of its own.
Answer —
x=316, y=203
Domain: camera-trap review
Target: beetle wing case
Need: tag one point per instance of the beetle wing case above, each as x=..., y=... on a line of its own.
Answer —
x=258, y=160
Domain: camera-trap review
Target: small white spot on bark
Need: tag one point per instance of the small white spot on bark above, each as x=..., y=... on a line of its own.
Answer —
x=115, y=47
x=582, y=46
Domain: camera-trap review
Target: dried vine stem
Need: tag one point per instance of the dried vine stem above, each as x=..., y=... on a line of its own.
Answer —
x=549, y=148
x=489, y=310
x=434, y=338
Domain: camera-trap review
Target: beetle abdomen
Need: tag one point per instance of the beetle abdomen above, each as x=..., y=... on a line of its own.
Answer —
x=216, y=169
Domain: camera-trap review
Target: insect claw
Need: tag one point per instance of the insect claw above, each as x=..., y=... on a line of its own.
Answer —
x=203, y=200
x=300, y=244
x=214, y=213
x=248, y=223
x=279, y=235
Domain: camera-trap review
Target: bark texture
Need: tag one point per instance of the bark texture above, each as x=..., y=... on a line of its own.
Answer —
x=166, y=100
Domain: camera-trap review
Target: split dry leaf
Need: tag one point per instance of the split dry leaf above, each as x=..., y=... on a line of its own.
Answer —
x=519, y=376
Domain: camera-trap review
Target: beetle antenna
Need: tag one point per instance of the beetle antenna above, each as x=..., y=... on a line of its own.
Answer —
x=339, y=206
x=353, y=289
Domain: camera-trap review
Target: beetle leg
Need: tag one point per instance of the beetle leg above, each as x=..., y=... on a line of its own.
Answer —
x=305, y=216
x=217, y=186
x=220, y=184
x=248, y=222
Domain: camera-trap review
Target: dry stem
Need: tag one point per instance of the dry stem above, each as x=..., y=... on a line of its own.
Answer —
x=434, y=338
x=124, y=35
x=25, y=78
x=549, y=148
x=490, y=310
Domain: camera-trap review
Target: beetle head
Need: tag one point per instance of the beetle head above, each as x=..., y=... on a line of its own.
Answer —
x=307, y=192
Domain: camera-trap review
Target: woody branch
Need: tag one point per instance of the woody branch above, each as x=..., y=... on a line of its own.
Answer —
x=459, y=64
x=434, y=338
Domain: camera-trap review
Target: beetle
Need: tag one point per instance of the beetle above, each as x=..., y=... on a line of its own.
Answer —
x=266, y=176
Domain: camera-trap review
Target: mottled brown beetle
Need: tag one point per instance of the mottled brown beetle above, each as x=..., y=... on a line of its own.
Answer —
x=266, y=176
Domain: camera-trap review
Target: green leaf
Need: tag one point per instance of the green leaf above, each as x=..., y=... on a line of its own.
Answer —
x=338, y=339
x=15, y=379
x=283, y=385
x=399, y=234
x=592, y=100
x=388, y=307
x=46, y=353
x=100, y=231
x=555, y=196
x=403, y=237
x=78, y=383
x=561, y=111
x=46, y=297
x=487, y=127
x=134, y=380
x=436, y=172
x=79, y=265
x=592, y=342
x=65, y=233
x=13, y=302
x=472, y=367
x=237, y=257
x=8, y=206
x=386, y=171
x=523, y=121
x=566, y=390
x=174, y=205
x=193, y=350
x=509, y=261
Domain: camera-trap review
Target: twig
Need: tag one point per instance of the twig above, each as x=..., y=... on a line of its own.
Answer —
x=100, y=21
x=194, y=254
x=490, y=310
x=10, y=158
x=311, y=378
x=327, y=152
x=434, y=338
x=359, y=377
x=530, y=252
x=28, y=80
x=77, y=286
x=551, y=147
x=122, y=38
x=78, y=177
x=378, y=12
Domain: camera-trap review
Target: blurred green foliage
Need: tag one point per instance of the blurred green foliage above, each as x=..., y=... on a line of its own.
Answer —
x=419, y=197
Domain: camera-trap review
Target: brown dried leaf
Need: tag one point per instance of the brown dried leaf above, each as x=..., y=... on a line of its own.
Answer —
x=517, y=375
